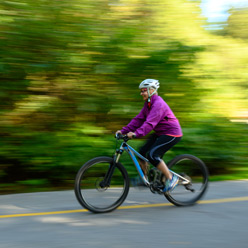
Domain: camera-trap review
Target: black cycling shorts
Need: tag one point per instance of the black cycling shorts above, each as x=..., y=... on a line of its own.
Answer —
x=157, y=146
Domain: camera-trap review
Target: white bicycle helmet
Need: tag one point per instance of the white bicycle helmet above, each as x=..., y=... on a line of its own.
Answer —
x=150, y=83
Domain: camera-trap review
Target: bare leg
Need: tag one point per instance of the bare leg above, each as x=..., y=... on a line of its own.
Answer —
x=164, y=169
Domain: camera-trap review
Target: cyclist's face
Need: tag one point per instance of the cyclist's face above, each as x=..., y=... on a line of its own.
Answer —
x=144, y=93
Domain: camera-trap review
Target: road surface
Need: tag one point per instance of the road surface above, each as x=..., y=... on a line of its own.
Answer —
x=56, y=220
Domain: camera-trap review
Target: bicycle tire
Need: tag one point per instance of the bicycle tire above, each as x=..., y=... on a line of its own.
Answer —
x=198, y=175
x=88, y=192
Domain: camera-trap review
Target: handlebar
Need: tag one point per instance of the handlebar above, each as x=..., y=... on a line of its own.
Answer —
x=119, y=136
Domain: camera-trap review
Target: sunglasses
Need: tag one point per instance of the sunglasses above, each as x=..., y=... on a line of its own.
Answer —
x=143, y=91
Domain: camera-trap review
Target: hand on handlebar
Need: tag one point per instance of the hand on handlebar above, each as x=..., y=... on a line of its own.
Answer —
x=118, y=134
x=131, y=135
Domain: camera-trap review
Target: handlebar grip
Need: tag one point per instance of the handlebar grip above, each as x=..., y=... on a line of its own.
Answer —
x=119, y=136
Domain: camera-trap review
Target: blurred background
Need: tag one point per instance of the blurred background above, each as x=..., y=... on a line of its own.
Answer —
x=69, y=76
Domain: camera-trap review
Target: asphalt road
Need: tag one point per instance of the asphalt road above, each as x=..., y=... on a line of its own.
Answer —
x=55, y=219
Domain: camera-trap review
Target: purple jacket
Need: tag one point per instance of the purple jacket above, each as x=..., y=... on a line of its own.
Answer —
x=159, y=118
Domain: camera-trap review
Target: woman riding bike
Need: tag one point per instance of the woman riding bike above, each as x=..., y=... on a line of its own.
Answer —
x=156, y=115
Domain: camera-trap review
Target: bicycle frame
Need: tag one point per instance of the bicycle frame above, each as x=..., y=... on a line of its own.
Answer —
x=132, y=152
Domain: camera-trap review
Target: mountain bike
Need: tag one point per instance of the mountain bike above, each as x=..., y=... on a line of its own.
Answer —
x=102, y=184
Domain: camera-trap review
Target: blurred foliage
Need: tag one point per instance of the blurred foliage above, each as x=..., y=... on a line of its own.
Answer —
x=69, y=76
x=238, y=24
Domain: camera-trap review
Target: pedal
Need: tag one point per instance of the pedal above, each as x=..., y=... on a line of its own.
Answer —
x=188, y=187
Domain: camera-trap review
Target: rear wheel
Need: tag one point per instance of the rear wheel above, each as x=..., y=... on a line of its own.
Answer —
x=193, y=188
x=91, y=190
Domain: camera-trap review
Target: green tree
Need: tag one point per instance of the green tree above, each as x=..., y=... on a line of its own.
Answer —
x=237, y=24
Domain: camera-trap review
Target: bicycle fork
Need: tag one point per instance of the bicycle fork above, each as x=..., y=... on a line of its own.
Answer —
x=108, y=176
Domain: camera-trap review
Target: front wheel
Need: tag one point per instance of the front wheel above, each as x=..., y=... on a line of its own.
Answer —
x=195, y=173
x=92, y=190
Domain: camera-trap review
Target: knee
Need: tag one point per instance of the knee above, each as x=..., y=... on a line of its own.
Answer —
x=154, y=160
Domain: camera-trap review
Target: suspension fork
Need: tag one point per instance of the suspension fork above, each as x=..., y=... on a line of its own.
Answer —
x=107, y=179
